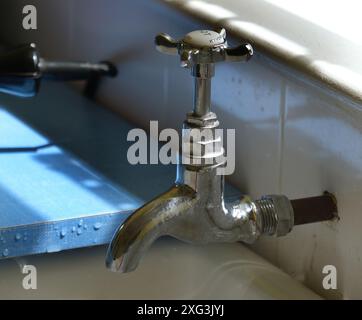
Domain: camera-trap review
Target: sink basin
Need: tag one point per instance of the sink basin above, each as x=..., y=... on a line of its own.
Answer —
x=170, y=270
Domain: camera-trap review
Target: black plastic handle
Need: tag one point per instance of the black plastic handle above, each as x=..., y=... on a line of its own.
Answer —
x=19, y=72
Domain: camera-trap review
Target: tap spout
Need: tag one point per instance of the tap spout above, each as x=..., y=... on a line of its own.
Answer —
x=145, y=225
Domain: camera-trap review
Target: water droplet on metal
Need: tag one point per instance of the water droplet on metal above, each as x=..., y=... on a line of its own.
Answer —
x=6, y=252
x=97, y=226
x=63, y=232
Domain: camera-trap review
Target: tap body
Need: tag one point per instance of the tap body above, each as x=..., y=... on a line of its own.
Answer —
x=194, y=210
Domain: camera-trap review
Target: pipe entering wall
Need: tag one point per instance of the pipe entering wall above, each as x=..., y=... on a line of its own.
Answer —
x=315, y=209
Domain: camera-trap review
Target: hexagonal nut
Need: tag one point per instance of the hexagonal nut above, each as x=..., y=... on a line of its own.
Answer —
x=284, y=213
x=207, y=121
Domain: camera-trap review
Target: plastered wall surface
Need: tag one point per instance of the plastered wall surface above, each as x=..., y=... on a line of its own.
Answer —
x=292, y=137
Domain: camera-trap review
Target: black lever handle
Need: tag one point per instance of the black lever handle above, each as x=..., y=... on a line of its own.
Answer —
x=22, y=68
x=19, y=72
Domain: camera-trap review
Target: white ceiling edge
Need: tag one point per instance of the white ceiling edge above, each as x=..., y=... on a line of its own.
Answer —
x=322, y=39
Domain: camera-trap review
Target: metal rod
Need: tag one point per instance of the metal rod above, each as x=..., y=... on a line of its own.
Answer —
x=202, y=85
x=202, y=96
x=67, y=70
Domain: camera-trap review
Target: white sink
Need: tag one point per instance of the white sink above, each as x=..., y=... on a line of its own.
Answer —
x=171, y=270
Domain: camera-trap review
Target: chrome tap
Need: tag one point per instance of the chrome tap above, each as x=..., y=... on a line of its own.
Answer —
x=193, y=209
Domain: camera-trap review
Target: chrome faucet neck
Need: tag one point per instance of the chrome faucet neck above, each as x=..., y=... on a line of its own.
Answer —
x=202, y=74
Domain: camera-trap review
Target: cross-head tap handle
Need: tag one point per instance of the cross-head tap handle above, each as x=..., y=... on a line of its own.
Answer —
x=199, y=50
x=203, y=47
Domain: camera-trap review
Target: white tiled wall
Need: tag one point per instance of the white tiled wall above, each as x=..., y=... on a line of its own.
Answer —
x=291, y=137
x=323, y=151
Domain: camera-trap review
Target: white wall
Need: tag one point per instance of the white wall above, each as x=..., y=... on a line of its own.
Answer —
x=291, y=137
